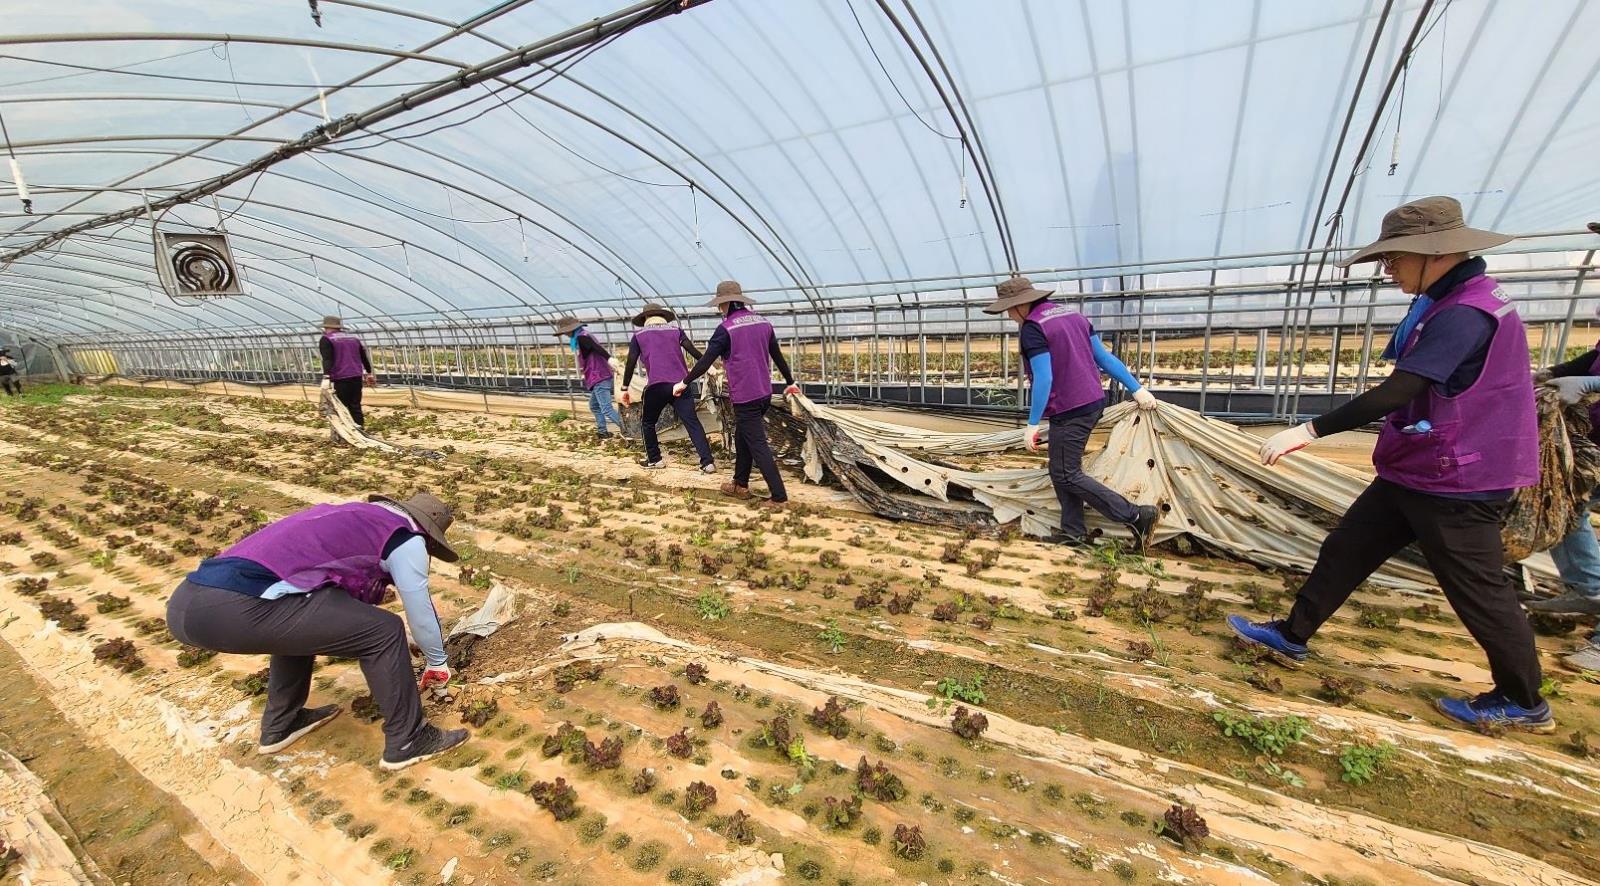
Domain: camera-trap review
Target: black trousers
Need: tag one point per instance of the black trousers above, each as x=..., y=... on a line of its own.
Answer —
x=1074, y=488
x=658, y=397
x=348, y=390
x=12, y=383
x=750, y=446
x=294, y=630
x=1461, y=541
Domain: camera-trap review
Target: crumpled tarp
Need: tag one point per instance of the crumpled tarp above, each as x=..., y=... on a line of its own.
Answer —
x=1569, y=468
x=1204, y=475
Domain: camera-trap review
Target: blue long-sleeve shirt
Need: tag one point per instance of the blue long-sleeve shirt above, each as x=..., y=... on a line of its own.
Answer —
x=1036, y=348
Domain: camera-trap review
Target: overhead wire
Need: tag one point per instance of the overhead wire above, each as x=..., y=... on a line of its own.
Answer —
x=578, y=54
x=887, y=76
x=94, y=69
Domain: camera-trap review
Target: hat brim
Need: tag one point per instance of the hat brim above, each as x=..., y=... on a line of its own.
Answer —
x=567, y=328
x=720, y=300
x=1027, y=297
x=431, y=533
x=664, y=313
x=1432, y=243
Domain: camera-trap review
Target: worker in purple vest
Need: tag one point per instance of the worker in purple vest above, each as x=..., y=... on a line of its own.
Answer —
x=660, y=345
x=345, y=366
x=1459, y=435
x=1578, y=555
x=594, y=364
x=310, y=584
x=1064, y=356
x=749, y=348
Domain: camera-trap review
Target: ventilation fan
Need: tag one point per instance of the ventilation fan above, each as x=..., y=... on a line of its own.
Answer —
x=197, y=265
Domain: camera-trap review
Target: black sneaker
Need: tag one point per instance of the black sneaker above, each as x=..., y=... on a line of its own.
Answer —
x=429, y=743
x=604, y=435
x=656, y=465
x=309, y=720
x=1570, y=603
x=1143, y=525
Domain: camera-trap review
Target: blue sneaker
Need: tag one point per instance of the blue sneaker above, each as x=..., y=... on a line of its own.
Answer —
x=1492, y=712
x=1270, y=635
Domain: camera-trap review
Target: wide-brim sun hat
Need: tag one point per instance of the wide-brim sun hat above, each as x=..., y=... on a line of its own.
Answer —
x=332, y=322
x=1430, y=226
x=567, y=325
x=432, y=516
x=1014, y=292
x=729, y=291
x=654, y=310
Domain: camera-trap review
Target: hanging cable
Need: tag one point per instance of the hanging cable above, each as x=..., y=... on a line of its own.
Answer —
x=694, y=205
x=16, y=170
x=316, y=14
x=522, y=234
x=887, y=76
x=1399, y=118
x=92, y=69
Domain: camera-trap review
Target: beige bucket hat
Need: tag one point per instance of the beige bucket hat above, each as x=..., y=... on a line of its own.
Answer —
x=432, y=516
x=654, y=310
x=1430, y=226
x=566, y=325
x=332, y=322
x=729, y=291
x=1013, y=292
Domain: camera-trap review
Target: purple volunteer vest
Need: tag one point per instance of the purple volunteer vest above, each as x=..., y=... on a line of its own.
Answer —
x=749, y=364
x=1594, y=408
x=1483, y=439
x=327, y=544
x=1075, y=377
x=596, y=368
x=661, y=354
x=346, y=355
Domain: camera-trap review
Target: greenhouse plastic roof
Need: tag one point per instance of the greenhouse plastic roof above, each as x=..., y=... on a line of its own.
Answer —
x=790, y=145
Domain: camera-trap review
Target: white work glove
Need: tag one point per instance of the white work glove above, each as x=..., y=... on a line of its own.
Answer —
x=1030, y=437
x=327, y=384
x=678, y=389
x=434, y=676
x=1573, y=388
x=1144, y=399
x=627, y=397
x=1284, y=442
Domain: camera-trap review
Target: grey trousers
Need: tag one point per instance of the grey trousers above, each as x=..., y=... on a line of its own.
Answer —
x=296, y=629
x=1074, y=488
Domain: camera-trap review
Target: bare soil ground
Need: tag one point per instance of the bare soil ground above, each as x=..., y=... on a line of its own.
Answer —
x=828, y=641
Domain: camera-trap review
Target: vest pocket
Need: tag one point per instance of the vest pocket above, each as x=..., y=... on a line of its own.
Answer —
x=1424, y=456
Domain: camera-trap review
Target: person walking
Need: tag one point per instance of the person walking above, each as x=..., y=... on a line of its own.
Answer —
x=748, y=348
x=310, y=584
x=1577, y=556
x=1459, y=436
x=660, y=345
x=9, y=375
x=594, y=366
x=345, y=366
x=1064, y=357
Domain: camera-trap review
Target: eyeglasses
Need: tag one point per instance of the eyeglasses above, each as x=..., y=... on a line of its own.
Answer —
x=1388, y=260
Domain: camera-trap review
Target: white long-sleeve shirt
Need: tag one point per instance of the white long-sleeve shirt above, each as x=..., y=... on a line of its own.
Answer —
x=407, y=566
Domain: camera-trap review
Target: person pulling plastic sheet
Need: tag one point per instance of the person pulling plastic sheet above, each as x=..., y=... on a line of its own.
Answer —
x=594, y=364
x=748, y=348
x=310, y=584
x=8, y=373
x=660, y=345
x=1577, y=556
x=1064, y=356
x=345, y=366
x=1459, y=435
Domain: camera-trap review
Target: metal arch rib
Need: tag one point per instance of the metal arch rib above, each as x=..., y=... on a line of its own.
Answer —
x=322, y=135
x=981, y=159
x=399, y=168
x=182, y=37
x=796, y=273
x=498, y=11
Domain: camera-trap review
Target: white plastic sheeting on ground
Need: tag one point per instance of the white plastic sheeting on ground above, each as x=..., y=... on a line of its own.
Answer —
x=1203, y=474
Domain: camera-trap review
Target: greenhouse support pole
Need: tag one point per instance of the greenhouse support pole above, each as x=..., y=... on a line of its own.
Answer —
x=1572, y=306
